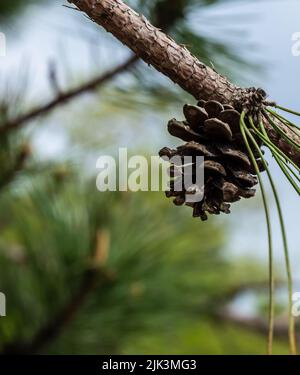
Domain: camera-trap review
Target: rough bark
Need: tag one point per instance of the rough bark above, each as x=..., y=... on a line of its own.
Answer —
x=158, y=50
x=171, y=59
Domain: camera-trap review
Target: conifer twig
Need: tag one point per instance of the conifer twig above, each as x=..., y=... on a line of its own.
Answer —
x=92, y=277
x=172, y=59
x=64, y=98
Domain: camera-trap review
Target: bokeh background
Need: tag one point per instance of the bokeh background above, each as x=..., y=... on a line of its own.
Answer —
x=86, y=272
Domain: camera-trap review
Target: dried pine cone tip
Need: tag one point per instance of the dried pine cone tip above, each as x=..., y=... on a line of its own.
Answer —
x=232, y=152
x=182, y=130
x=215, y=128
x=232, y=118
x=215, y=167
x=212, y=130
x=167, y=152
x=194, y=148
x=195, y=115
x=213, y=108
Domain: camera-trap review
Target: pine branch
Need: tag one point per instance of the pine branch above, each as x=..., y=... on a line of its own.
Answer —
x=57, y=324
x=255, y=324
x=157, y=49
x=66, y=97
x=92, y=278
x=171, y=59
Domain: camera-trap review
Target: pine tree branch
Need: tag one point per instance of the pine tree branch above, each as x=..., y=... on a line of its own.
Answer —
x=93, y=277
x=171, y=59
x=66, y=97
x=157, y=49
x=255, y=324
x=57, y=324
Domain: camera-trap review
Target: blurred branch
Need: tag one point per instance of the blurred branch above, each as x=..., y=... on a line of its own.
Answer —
x=255, y=324
x=255, y=285
x=64, y=98
x=162, y=20
x=91, y=278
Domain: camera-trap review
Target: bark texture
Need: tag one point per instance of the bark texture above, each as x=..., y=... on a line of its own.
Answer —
x=171, y=59
x=158, y=50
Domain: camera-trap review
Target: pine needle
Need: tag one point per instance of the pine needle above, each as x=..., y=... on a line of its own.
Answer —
x=292, y=334
x=285, y=121
x=245, y=130
x=280, y=158
x=281, y=132
x=288, y=110
x=274, y=148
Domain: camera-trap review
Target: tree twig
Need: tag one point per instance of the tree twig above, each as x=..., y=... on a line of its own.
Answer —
x=64, y=98
x=254, y=324
x=157, y=49
x=92, y=277
x=170, y=58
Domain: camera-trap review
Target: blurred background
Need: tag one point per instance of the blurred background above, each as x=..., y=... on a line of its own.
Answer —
x=86, y=272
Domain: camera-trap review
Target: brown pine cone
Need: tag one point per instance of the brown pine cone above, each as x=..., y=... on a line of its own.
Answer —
x=212, y=130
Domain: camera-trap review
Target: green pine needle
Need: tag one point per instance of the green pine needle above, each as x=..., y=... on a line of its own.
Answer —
x=285, y=121
x=284, y=167
x=245, y=130
x=288, y=110
x=275, y=150
x=280, y=158
x=281, y=132
x=292, y=335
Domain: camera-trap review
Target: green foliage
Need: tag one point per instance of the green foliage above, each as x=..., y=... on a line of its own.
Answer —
x=160, y=263
x=164, y=268
x=203, y=337
x=263, y=135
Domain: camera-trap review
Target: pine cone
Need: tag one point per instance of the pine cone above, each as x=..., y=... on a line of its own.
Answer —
x=212, y=130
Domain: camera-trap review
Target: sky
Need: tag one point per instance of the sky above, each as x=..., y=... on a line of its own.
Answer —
x=269, y=26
